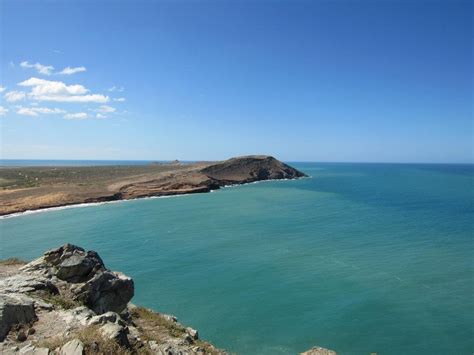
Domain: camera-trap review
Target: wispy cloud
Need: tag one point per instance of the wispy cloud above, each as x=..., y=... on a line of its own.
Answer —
x=120, y=99
x=76, y=116
x=106, y=109
x=49, y=69
x=40, y=68
x=70, y=71
x=3, y=110
x=99, y=115
x=48, y=90
x=117, y=89
x=2, y=88
x=14, y=96
x=35, y=111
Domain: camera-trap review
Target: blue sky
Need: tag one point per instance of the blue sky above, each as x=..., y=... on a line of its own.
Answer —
x=355, y=80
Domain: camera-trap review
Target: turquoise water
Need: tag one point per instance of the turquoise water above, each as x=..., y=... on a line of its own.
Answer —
x=359, y=258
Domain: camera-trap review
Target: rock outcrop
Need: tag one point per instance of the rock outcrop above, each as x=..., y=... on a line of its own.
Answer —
x=249, y=169
x=68, y=302
x=85, y=278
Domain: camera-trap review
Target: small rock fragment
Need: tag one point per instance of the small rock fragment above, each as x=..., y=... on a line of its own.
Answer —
x=107, y=317
x=33, y=350
x=21, y=336
x=193, y=333
x=170, y=317
x=73, y=347
x=318, y=351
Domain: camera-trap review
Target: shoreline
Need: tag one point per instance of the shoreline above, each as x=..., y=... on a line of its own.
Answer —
x=99, y=203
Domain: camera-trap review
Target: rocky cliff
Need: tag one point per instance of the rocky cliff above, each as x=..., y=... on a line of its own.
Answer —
x=67, y=302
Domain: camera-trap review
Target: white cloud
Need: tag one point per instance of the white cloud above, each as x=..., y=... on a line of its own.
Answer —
x=117, y=89
x=70, y=71
x=2, y=88
x=3, y=110
x=34, y=111
x=48, y=110
x=49, y=87
x=76, y=116
x=105, y=109
x=74, y=98
x=26, y=111
x=40, y=68
x=120, y=99
x=48, y=90
x=49, y=69
x=99, y=115
x=13, y=96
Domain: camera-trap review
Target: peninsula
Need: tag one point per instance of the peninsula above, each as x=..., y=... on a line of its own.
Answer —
x=33, y=188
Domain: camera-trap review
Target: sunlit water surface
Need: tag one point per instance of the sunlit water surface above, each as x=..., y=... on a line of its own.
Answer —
x=359, y=258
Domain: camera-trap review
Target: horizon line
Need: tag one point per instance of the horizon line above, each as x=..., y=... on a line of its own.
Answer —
x=211, y=160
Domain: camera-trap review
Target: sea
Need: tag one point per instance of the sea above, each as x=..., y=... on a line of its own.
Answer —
x=358, y=258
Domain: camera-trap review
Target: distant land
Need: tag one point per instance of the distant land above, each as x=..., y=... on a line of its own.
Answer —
x=33, y=188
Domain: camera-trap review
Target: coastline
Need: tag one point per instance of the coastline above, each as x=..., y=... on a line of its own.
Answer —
x=99, y=203
x=31, y=189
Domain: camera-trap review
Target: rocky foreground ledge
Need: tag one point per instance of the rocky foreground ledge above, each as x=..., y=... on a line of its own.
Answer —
x=67, y=302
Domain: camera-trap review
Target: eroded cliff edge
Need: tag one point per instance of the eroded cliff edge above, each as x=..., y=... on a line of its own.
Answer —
x=26, y=189
x=67, y=302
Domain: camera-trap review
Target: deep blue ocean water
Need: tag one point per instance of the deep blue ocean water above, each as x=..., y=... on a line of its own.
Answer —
x=359, y=258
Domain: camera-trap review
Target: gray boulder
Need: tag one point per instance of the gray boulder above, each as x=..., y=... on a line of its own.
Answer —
x=24, y=283
x=77, y=267
x=115, y=332
x=68, y=262
x=15, y=309
x=106, y=291
x=86, y=276
x=79, y=315
x=108, y=317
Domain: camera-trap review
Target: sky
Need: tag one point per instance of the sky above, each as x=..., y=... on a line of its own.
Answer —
x=316, y=80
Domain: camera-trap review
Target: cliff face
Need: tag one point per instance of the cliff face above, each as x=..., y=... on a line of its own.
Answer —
x=68, y=302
